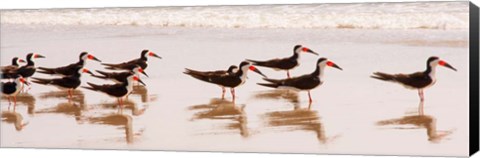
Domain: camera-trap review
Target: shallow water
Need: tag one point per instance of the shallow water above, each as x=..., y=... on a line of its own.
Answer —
x=351, y=113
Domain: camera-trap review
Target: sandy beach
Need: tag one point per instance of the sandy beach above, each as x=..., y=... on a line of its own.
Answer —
x=351, y=113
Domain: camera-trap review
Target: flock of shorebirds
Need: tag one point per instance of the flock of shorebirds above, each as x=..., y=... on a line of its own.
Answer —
x=16, y=78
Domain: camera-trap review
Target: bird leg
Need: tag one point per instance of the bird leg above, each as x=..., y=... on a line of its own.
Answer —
x=118, y=107
x=232, y=90
x=420, y=93
x=69, y=95
x=121, y=106
x=9, y=103
x=309, y=98
x=422, y=99
x=14, y=103
x=420, y=108
x=223, y=92
x=288, y=74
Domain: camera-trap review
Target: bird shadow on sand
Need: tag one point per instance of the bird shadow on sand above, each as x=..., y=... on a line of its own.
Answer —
x=123, y=121
x=221, y=109
x=27, y=100
x=297, y=119
x=420, y=121
x=14, y=118
x=74, y=107
x=128, y=104
x=142, y=91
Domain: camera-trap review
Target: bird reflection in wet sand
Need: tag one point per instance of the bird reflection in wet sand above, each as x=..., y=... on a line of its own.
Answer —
x=220, y=109
x=25, y=99
x=77, y=96
x=142, y=91
x=74, y=107
x=290, y=96
x=124, y=121
x=128, y=104
x=419, y=121
x=15, y=118
x=299, y=118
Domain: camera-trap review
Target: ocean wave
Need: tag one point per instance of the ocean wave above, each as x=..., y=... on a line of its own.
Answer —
x=432, y=15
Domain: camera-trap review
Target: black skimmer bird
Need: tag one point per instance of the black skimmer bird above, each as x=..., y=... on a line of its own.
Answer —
x=68, y=83
x=69, y=69
x=120, y=90
x=11, y=68
x=119, y=77
x=142, y=62
x=11, y=89
x=418, y=80
x=26, y=70
x=232, y=69
x=305, y=82
x=226, y=80
x=285, y=63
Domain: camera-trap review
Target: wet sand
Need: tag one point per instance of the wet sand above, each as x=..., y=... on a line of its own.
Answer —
x=351, y=113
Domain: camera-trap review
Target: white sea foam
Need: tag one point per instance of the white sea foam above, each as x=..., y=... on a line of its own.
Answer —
x=433, y=15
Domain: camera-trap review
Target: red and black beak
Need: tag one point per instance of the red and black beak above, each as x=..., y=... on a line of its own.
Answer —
x=154, y=55
x=254, y=69
x=443, y=63
x=143, y=72
x=307, y=50
x=38, y=56
x=87, y=71
x=24, y=81
x=136, y=78
x=91, y=57
x=331, y=64
x=21, y=61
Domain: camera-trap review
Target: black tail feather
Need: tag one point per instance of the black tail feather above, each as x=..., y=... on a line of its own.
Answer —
x=41, y=81
x=271, y=85
x=45, y=70
x=382, y=76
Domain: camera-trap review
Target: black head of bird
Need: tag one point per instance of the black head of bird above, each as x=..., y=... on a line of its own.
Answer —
x=322, y=62
x=301, y=49
x=146, y=53
x=434, y=61
x=17, y=60
x=245, y=66
x=84, y=70
x=139, y=69
x=32, y=56
x=136, y=78
x=85, y=55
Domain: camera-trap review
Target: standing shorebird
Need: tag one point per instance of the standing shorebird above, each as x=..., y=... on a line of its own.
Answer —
x=142, y=62
x=285, y=63
x=120, y=90
x=8, y=69
x=69, y=69
x=119, y=77
x=25, y=71
x=417, y=80
x=229, y=80
x=231, y=70
x=11, y=89
x=305, y=82
x=68, y=83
